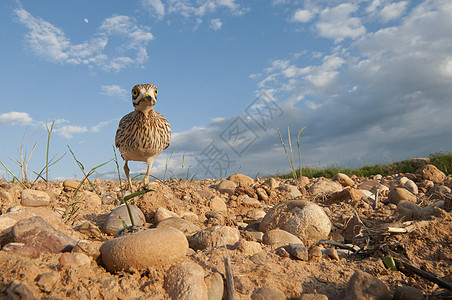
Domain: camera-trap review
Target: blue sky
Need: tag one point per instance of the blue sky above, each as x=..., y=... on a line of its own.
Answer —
x=370, y=80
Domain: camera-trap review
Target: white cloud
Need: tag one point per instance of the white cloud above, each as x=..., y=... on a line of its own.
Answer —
x=336, y=23
x=114, y=91
x=69, y=131
x=302, y=15
x=97, y=127
x=50, y=42
x=155, y=7
x=393, y=11
x=85, y=20
x=188, y=8
x=15, y=118
x=216, y=24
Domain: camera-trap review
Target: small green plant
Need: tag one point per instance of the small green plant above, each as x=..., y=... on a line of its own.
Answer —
x=24, y=160
x=86, y=175
x=290, y=158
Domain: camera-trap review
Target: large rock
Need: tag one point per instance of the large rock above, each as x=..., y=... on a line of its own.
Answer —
x=241, y=179
x=343, y=179
x=41, y=235
x=400, y=194
x=364, y=286
x=266, y=293
x=34, y=198
x=185, y=281
x=148, y=248
x=302, y=218
x=113, y=223
x=323, y=187
x=430, y=172
x=213, y=237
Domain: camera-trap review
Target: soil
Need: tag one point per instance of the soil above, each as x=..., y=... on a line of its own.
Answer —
x=428, y=248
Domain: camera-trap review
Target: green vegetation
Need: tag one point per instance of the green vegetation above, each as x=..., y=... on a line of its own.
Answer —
x=442, y=161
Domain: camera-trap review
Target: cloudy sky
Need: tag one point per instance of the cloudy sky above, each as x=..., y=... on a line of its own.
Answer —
x=370, y=80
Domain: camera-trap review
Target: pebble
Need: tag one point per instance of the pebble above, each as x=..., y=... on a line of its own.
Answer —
x=322, y=187
x=67, y=259
x=400, y=194
x=409, y=210
x=226, y=187
x=261, y=194
x=19, y=290
x=144, y=249
x=113, y=222
x=362, y=285
x=369, y=185
x=248, y=247
x=41, y=235
x=6, y=196
x=348, y=194
x=407, y=293
x=46, y=281
x=162, y=213
x=313, y=297
x=411, y=186
x=214, y=236
x=70, y=184
x=343, y=179
x=297, y=250
x=315, y=253
x=430, y=172
x=266, y=293
x=248, y=201
x=185, y=226
x=331, y=253
x=292, y=190
x=22, y=250
x=185, y=281
x=217, y=204
x=272, y=183
x=241, y=179
x=87, y=248
x=279, y=237
x=254, y=215
x=215, y=286
x=34, y=198
x=302, y=218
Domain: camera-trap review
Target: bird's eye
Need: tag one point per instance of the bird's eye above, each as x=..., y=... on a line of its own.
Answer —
x=134, y=93
x=155, y=92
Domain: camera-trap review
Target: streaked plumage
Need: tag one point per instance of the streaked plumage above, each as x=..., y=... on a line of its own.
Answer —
x=144, y=133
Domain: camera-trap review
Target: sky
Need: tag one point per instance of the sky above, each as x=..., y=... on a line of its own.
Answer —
x=369, y=81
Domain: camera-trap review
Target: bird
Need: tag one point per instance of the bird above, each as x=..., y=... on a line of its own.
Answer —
x=143, y=133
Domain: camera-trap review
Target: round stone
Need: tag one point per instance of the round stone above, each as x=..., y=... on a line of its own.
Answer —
x=148, y=248
x=114, y=223
x=302, y=218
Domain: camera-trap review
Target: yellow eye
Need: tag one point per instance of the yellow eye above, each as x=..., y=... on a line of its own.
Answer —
x=155, y=92
x=134, y=93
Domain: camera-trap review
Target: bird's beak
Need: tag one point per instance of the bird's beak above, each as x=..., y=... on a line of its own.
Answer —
x=148, y=97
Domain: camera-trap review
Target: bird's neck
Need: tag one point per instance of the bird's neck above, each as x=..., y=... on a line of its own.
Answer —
x=147, y=112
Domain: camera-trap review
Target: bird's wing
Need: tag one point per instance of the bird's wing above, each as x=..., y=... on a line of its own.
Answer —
x=121, y=129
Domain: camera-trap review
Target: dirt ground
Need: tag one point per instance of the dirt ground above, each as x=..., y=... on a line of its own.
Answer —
x=428, y=248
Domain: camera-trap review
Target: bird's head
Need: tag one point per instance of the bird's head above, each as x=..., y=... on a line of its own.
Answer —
x=144, y=97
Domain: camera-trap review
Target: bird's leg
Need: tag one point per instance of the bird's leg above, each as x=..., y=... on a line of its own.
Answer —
x=148, y=171
x=126, y=171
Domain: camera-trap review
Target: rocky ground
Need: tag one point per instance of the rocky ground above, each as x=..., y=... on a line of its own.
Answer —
x=274, y=238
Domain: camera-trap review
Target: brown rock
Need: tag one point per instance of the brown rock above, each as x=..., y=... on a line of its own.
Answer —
x=407, y=293
x=430, y=172
x=241, y=179
x=217, y=204
x=185, y=226
x=34, y=198
x=362, y=285
x=352, y=229
x=348, y=194
x=226, y=187
x=144, y=249
x=22, y=250
x=185, y=281
x=46, y=281
x=343, y=179
x=266, y=293
x=70, y=184
x=41, y=235
x=400, y=194
x=313, y=297
x=302, y=218
x=323, y=187
x=213, y=237
x=280, y=237
x=368, y=185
